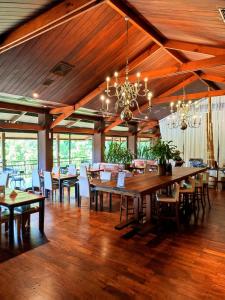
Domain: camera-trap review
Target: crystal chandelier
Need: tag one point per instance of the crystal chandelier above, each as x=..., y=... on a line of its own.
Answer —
x=184, y=114
x=125, y=92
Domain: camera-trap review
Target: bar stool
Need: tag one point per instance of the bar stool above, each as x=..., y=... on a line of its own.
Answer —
x=199, y=194
x=206, y=187
x=166, y=205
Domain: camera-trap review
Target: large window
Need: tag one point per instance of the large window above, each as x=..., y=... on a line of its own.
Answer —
x=113, y=139
x=71, y=148
x=143, y=148
x=21, y=151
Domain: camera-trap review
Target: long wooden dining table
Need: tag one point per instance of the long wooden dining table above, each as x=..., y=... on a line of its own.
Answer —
x=143, y=185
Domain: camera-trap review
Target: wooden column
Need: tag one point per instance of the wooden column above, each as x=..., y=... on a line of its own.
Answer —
x=210, y=144
x=45, y=143
x=132, y=140
x=58, y=149
x=99, y=142
x=2, y=137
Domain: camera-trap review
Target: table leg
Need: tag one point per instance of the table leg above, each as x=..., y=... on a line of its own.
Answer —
x=96, y=200
x=41, y=216
x=110, y=201
x=11, y=225
x=60, y=190
x=136, y=207
x=148, y=207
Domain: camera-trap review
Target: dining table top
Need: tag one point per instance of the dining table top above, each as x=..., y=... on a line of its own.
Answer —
x=20, y=198
x=143, y=183
x=64, y=176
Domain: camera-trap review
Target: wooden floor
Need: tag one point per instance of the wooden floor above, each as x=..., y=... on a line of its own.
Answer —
x=84, y=257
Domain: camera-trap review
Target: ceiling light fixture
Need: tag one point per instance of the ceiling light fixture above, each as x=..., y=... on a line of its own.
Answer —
x=125, y=91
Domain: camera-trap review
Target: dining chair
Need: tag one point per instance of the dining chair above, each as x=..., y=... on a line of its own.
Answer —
x=72, y=169
x=168, y=206
x=105, y=176
x=127, y=206
x=36, y=181
x=83, y=171
x=85, y=191
x=4, y=219
x=56, y=170
x=4, y=179
x=49, y=185
x=87, y=165
x=199, y=193
x=96, y=166
x=187, y=193
x=206, y=187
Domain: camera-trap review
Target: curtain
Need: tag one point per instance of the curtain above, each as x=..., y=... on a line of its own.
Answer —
x=192, y=141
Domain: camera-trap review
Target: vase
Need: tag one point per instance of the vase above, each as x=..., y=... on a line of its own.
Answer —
x=161, y=169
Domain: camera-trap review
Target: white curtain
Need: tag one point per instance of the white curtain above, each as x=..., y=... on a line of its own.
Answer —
x=192, y=141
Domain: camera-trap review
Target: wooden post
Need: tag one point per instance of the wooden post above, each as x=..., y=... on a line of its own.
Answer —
x=69, y=148
x=99, y=143
x=58, y=149
x=210, y=144
x=132, y=140
x=2, y=136
x=45, y=143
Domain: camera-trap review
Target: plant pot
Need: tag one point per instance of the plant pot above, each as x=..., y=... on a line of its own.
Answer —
x=162, y=169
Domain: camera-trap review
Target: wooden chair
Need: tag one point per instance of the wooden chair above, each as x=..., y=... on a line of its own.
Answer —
x=168, y=207
x=127, y=206
x=199, y=193
x=49, y=185
x=187, y=194
x=206, y=187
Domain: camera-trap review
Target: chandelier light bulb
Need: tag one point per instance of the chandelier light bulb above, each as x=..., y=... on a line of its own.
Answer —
x=102, y=97
x=172, y=104
x=116, y=74
x=146, y=79
x=138, y=74
x=108, y=79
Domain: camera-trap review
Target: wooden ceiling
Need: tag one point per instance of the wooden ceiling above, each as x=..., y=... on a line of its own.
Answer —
x=176, y=43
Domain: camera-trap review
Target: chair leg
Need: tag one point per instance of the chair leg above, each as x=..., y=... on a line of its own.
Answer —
x=121, y=208
x=110, y=202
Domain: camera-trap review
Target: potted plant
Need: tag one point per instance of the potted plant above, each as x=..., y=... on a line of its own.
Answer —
x=117, y=153
x=163, y=151
x=177, y=158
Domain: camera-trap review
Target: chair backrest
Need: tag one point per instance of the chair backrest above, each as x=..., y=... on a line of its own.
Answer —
x=83, y=171
x=56, y=170
x=48, y=181
x=177, y=192
x=4, y=179
x=36, y=181
x=96, y=166
x=205, y=177
x=105, y=175
x=84, y=187
x=199, y=181
x=72, y=169
x=87, y=165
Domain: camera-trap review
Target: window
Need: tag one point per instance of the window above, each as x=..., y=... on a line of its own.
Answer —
x=143, y=148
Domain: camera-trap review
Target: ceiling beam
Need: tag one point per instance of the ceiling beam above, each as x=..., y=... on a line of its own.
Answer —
x=148, y=125
x=54, y=17
x=192, y=47
x=183, y=68
x=148, y=28
x=63, y=129
x=72, y=123
x=144, y=107
x=17, y=117
x=25, y=108
x=148, y=135
x=193, y=96
x=68, y=110
x=21, y=126
x=213, y=78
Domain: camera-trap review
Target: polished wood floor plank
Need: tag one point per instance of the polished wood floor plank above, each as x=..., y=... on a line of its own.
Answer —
x=82, y=256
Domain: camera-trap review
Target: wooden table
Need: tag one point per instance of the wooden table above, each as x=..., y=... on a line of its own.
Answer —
x=22, y=198
x=143, y=185
x=61, y=178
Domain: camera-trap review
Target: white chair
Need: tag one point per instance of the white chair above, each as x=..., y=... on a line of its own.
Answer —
x=87, y=165
x=56, y=170
x=72, y=170
x=4, y=179
x=104, y=175
x=96, y=166
x=36, y=180
x=85, y=190
x=83, y=171
x=49, y=185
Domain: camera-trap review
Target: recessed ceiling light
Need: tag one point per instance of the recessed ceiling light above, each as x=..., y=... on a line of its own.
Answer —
x=35, y=95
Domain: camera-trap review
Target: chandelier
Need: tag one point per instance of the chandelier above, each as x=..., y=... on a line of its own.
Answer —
x=184, y=114
x=125, y=91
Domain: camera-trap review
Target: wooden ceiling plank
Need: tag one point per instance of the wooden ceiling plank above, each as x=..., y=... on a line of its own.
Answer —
x=68, y=110
x=61, y=129
x=48, y=20
x=193, y=96
x=192, y=47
